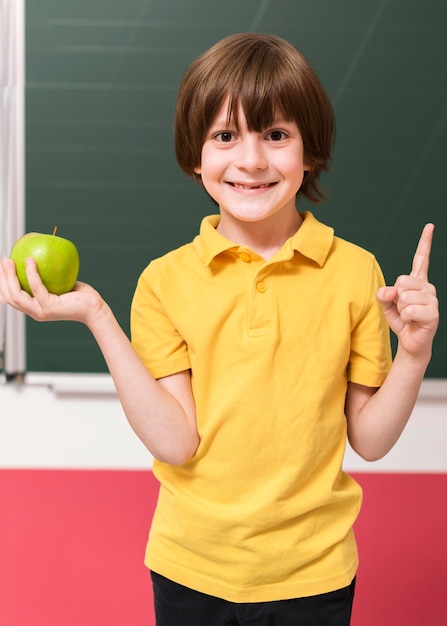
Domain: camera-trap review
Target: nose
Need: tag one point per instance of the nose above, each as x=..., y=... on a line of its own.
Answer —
x=251, y=156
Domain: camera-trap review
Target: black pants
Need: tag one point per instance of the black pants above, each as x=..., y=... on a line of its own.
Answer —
x=176, y=605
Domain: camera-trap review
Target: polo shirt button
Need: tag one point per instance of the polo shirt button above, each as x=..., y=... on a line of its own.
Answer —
x=261, y=287
x=244, y=257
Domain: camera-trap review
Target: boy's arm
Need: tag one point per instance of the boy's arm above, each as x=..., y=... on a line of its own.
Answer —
x=162, y=413
x=376, y=418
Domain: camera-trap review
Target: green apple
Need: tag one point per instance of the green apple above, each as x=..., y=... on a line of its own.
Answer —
x=57, y=261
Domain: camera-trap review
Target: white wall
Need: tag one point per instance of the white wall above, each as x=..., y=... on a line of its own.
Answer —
x=76, y=421
x=423, y=444
x=66, y=422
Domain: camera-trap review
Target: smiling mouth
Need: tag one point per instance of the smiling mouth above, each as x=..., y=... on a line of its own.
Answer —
x=250, y=187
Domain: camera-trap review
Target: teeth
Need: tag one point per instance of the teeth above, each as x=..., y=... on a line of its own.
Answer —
x=239, y=186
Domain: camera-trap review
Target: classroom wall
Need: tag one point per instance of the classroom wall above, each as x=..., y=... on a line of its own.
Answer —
x=68, y=421
x=76, y=488
x=101, y=84
x=77, y=496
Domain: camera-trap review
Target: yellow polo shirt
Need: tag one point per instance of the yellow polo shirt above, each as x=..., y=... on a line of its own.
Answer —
x=263, y=511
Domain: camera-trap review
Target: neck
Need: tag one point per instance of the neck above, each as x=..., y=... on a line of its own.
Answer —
x=264, y=237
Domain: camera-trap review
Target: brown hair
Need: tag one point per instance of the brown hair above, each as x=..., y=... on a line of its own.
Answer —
x=266, y=75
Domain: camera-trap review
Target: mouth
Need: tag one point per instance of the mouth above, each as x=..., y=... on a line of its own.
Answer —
x=250, y=186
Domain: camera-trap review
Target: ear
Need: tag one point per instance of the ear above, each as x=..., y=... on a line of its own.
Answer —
x=307, y=163
x=198, y=170
x=307, y=166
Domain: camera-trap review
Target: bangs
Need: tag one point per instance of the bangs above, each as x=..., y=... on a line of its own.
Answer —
x=261, y=107
x=247, y=80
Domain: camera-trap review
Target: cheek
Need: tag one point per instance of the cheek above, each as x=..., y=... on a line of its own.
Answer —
x=294, y=169
x=211, y=166
x=198, y=168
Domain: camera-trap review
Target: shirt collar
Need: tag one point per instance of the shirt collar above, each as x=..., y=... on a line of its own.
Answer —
x=210, y=243
x=313, y=240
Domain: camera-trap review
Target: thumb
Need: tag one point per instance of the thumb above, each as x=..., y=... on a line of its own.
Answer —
x=386, y=295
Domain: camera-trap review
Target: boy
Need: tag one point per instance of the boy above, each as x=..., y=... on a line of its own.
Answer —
x=256, y=349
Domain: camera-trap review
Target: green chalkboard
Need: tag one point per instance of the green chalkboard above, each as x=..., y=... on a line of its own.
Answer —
x=101, y=83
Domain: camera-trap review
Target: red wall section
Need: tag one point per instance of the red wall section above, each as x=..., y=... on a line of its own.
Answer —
x=72, y=546
x=402, y=538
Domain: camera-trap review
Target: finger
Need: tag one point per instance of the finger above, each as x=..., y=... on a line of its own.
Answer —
x=10, y=282
x=421, y=259
x=11, y=289
x=34, y=280
x=2, y=282
x=387, y=294
x=385, y=297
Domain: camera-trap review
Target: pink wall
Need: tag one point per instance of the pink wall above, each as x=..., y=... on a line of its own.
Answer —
x=72, y=545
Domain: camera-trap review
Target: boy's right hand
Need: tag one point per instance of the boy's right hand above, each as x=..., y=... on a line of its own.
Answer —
x=80, y=305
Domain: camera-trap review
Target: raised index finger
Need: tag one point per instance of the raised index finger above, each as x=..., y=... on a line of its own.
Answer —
x=421, y=259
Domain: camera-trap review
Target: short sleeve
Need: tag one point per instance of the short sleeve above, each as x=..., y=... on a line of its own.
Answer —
x=370, y=359
x=154, y=337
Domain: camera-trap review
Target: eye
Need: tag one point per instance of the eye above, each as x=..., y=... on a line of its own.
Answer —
x=276, y=135
x=224, y=137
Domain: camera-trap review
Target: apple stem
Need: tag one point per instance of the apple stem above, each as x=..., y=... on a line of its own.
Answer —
x=55, y=230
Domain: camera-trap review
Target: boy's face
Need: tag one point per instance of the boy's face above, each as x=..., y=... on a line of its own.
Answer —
x=252, y=176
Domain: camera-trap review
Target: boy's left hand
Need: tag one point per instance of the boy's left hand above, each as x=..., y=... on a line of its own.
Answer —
x=411, y=305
